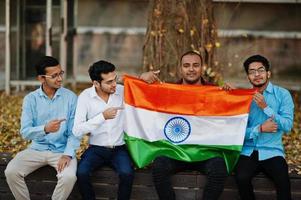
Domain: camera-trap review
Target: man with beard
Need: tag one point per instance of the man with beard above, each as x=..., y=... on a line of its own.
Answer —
x=47, y=120
x=164, y=167
x=271, y=115
x=99, y=112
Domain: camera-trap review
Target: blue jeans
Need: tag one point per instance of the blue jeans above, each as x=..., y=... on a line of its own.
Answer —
x=95, y=157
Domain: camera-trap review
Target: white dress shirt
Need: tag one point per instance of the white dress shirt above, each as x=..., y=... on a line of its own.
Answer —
x=89, y=118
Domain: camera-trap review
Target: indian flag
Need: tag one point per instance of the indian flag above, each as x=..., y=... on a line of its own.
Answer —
x=184, y=122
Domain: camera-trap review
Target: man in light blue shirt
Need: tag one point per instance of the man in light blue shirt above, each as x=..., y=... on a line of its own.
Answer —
x=271, y=115
x=47, y=120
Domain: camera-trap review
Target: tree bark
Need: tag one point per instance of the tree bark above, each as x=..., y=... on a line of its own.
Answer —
x=174, y=27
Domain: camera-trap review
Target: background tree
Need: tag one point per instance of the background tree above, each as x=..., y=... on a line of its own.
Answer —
x=174, y=27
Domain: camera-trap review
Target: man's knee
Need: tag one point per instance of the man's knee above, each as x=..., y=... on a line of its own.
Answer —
x=68, y=178
x=82, y=172
x=11, y=172
x=242, y=176
x=126, y=172
x=162, y=165
x=216, y=167
x=126, y=176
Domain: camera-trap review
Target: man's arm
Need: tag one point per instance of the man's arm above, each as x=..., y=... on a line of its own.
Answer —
x=73, y=142
x=28, y=131
x=81, y=124
x=284, y=115
x=252, y=132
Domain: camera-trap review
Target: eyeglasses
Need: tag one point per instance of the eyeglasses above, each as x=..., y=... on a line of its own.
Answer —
x=260, y=70
x=54, y=76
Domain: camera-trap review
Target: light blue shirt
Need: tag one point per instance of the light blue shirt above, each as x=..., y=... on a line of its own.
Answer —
x=38, y=109
x=280, y=106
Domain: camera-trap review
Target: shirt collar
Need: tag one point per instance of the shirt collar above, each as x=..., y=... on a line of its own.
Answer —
x=92, y=92
x=270, y=87
x=42, y=93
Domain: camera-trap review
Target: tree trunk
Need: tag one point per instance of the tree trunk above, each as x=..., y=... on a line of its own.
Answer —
x=174, y=27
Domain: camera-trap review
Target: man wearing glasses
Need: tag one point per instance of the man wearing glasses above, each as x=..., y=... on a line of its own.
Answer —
x=47, y=120
x=99, y=112
x=271, y=115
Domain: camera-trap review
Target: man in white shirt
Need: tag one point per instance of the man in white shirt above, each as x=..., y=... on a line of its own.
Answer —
x=99, y=112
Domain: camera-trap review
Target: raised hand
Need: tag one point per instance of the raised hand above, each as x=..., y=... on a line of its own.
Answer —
x=111, y=113
x=228, y=87
x=259, y=100
x=151, y=76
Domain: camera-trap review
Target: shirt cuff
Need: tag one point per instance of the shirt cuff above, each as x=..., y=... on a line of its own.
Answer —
x=69, y=152
x=268, y=111
x=41, y=130
x=255, y=132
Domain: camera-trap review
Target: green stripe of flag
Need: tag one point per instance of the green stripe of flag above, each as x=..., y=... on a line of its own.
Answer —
x=144, y=152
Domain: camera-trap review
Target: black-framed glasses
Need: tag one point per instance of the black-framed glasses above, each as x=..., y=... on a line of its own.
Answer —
x=260, y=70
x=54, y=76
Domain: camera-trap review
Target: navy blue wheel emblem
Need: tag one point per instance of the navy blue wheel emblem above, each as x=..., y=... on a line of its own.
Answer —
x=177, y=129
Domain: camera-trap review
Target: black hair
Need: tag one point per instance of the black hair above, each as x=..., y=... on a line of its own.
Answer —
x=98, y=68
x=257, y=58
x=44, y=62
x=191, y=53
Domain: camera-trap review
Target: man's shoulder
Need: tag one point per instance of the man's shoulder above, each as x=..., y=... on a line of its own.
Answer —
x=119, y=88
x=67, y=92
x=32, y=94
x=280, y=90
x=86, y=92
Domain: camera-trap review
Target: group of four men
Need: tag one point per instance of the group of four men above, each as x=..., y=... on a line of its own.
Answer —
x=55, y=120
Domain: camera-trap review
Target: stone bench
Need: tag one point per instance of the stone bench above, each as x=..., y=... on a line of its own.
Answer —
x=188, y=185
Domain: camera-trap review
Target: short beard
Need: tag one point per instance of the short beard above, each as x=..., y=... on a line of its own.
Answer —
x=260, y=85
x=192, y=82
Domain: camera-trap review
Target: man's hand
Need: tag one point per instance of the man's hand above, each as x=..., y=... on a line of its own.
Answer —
x=151, y=76
x=259, y=100
x=53, y=125
x=269, y=126
x=111, y=113
x=63, y=162
x=228, y=87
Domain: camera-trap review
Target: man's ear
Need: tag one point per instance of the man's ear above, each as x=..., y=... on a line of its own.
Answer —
x=269, y=74
x=96, y=83
x=41, y=79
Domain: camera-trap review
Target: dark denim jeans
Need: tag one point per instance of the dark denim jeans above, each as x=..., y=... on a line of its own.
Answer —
x=214, y=168
x=95, y=157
